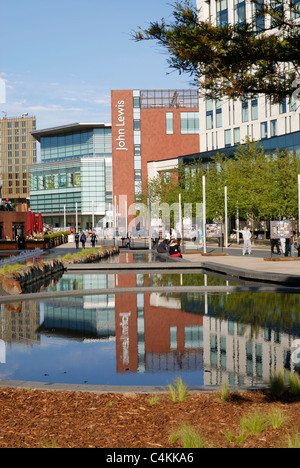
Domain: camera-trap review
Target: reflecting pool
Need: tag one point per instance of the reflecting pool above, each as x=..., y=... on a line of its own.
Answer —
x=150, y=338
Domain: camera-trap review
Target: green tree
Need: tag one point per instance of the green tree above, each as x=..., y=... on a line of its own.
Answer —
x=232, y=60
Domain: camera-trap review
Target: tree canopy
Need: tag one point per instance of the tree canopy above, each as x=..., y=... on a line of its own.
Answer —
x=264, y=186
x=248, y=58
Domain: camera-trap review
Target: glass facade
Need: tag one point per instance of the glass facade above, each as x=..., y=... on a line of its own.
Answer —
x=76, y=168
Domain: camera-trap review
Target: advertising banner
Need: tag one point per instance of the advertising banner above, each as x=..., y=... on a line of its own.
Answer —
x=280, y=229
x=213, y=230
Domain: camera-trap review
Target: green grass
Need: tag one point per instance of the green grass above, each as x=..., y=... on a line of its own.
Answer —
x=188, y=437
x=277, y=383
x=294, y=383
x=8, y=269
x=153, y=400
x=293, y=441
x=254, y=423
x=277, y=418
x=81, y=254
x=225, y=393
x=178, y=391
x=237, y=439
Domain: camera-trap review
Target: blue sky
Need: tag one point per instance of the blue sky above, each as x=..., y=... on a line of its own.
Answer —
x=62, y=58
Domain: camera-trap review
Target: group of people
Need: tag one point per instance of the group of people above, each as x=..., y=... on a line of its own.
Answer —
x=287, y=245
x=170, y=247
x=84, y=237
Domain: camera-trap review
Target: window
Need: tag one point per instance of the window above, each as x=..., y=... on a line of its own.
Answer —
x=167, y=177
x=295, y=9
x=245, y=111
x=264, y=130
x=236, y=136
x=239, y=12
x=277, y=7
x=209, y=114
x=254, y=109
x=227, y=136
x=273, y=128
x=190, y=123
x=137, y=125
x=173, y=337
x=136, y=102
x=219, y=113
x=282, y=106
x=222, y=12
x=169, y=123
x=259, y=17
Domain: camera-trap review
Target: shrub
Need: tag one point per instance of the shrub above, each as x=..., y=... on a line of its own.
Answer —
x=255, y=423
x=178, y=392
x=277, y=383
x=188, y=436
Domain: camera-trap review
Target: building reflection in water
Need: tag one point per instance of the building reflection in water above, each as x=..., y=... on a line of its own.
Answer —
x=238, y=338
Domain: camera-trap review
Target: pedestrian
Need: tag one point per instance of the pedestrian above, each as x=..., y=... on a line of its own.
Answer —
x=298, y=244
x=247, y=240
x=282, y=244
x=289, y=244
x=275, y=243
x=83, y=240
x=93, y=239
x=77, y=240
x=128, y=245
x=174, y=250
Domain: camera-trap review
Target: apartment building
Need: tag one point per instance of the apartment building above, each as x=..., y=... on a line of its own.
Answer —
x=226, y=122
x=18, y=152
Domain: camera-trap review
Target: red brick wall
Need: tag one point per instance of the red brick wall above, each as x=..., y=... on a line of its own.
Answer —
x=8, y=218
x=123, y=144
x=157, y=145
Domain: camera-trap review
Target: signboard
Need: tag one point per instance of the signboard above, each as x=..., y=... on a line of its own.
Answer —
x=213, y=230
x=280, y=229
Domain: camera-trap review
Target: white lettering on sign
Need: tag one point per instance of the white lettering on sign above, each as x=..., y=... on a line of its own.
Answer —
x=121, y=138
x=125, y=336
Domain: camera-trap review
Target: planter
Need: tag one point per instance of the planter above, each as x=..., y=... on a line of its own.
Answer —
x=8, y=245
x=31, y=245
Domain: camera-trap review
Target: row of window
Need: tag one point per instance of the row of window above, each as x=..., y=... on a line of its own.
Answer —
x=249, y=111
x=189, y=122
x=23, y=123
x=258, y=18
x=263, y=129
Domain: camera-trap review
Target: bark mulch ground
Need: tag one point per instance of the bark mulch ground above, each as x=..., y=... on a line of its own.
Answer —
x=36, y=419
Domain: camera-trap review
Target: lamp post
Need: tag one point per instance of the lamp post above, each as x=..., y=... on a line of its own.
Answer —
x=204, y=213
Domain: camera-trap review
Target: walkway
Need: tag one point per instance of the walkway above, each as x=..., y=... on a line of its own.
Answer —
x=253, y=268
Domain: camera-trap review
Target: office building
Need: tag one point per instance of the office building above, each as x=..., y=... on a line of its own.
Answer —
x=226, y=123
x=18, y=152
x=73, y=182
x=150, y=130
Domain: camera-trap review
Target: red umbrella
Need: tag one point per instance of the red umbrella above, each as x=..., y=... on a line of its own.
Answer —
x=34, y=223
x=29, y=226
x=40, y=226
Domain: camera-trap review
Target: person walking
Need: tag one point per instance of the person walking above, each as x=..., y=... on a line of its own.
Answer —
x=93, y=239
x=77, y=240
x=289, y=244
x=83, y=240
x=247, y=240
